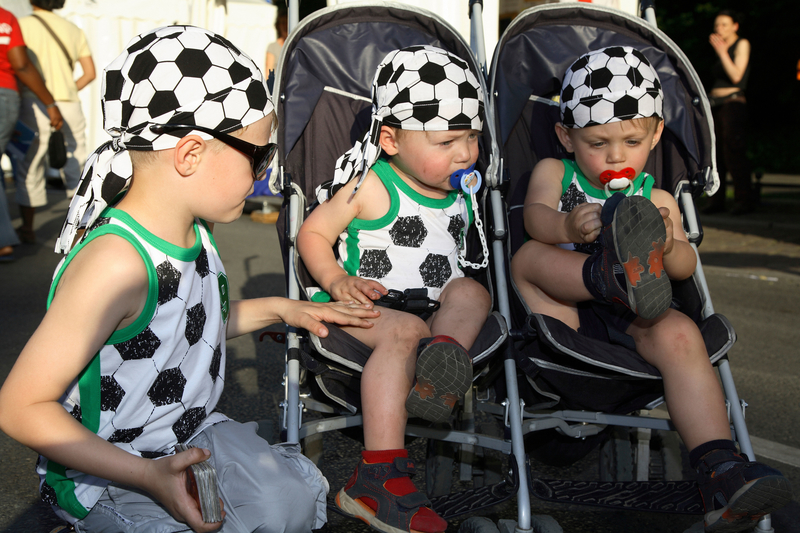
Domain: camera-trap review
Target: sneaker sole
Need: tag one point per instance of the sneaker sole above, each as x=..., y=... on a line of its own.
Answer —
x=639, y=237
x=356, y=509
x=756, y=499
x=444, y=374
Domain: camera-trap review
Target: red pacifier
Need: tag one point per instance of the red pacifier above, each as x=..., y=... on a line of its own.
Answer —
x=618, y=180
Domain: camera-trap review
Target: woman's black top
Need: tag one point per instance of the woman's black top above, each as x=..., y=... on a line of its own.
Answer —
x=720, y=77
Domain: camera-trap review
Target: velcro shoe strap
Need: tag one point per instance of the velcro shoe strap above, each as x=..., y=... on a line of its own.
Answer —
x=413, y=500
x=715, y=457
x=404, y=465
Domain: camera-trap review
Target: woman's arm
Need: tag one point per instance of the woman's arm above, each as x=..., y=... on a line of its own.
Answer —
x=734, y=69
x=87, y=64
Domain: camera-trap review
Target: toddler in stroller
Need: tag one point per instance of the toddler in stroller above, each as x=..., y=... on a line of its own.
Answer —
x=611, y=118
x=401, y=225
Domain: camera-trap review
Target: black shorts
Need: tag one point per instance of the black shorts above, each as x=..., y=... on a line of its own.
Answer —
x=606, y=322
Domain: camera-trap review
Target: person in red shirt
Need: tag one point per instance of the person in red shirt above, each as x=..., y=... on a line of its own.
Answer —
x=14, y=65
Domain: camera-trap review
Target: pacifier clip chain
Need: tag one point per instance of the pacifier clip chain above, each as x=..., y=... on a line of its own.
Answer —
x=469, y=181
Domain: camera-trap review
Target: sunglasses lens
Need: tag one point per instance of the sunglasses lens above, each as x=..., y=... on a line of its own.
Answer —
x=264, y=162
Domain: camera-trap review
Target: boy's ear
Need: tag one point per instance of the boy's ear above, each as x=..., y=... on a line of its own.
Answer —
x=188, y=154
x=657, y=135
x=563, y=136
x=388, y=140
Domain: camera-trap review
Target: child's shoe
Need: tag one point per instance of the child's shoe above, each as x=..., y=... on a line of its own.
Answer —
x=382, y=495
x=737, y=493
x=444, y=375
x=629, y=268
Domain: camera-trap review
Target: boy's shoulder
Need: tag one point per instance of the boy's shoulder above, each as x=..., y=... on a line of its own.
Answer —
x=549, y=169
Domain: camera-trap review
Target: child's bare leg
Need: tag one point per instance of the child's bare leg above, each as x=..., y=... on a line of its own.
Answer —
x=550, y=280
x=673, y=344
x=465, y=304
x=388, y=376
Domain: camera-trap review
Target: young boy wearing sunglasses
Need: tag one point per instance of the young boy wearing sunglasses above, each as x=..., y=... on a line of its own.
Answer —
x=129, y=360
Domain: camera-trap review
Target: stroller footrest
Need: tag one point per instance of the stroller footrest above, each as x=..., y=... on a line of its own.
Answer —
x=660, y=496
x=449, y=506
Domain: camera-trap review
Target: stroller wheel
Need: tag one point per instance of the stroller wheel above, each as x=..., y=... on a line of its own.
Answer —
x=478, y=524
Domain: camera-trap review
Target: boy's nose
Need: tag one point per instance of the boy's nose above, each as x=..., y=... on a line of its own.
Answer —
x=615, y=154
x=464, y=153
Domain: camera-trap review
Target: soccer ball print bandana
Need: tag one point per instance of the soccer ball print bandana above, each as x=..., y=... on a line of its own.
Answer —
x=419, y=88
x=175, y=74
x=610, y=85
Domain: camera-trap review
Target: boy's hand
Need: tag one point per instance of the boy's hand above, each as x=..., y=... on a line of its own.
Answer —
x=583, y=223
x=352, y=288
x=668, y=224
x=311, y=315
x=165, y=480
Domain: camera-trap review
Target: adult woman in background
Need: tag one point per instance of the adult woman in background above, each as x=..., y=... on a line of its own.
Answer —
x=54, y=45
x=729, y=106
x=274, y=49
x=14, y=64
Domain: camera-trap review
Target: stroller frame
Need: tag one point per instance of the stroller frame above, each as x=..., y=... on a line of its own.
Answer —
x=579, y=424
x=296, y=403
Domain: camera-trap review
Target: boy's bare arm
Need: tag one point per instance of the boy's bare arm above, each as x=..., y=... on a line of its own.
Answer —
x=680, y=259
x=544, y=222
x=318, y=236
x=104, y=287
x=257, y=313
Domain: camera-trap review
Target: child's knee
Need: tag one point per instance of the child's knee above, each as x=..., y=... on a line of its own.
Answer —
x=406, y=330
x=469, y=291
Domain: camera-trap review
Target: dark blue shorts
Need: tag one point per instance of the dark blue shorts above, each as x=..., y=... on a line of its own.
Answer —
x=606, y=322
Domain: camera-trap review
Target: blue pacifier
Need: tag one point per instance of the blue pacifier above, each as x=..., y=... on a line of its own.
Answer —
x=461, y=179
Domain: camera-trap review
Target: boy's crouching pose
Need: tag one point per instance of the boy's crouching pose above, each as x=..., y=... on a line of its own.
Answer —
x=129, y=360
x=620, y=292
x=401, y=226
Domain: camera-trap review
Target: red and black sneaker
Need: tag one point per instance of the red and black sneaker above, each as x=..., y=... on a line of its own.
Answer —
x=737, y=493
x=443, y=376
x=629, y=268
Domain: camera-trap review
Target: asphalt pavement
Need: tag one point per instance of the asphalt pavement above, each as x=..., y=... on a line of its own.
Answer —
x=752, y=263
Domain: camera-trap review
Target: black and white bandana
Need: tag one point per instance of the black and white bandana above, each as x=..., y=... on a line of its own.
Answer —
x=610, y=85
x=174, y=74
x=419, y=88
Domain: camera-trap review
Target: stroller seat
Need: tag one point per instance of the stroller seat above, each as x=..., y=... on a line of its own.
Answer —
x=577, y=390
x=322, y=85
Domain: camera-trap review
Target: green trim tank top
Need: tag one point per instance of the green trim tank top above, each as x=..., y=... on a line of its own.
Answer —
x=414, y=245
x=156, y=382
x=576, y=189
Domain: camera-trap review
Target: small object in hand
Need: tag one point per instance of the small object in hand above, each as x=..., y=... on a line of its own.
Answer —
x=57, y=149
x=201, y=484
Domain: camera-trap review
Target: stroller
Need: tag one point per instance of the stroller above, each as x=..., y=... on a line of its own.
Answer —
x=579, y=391
x=322, y=89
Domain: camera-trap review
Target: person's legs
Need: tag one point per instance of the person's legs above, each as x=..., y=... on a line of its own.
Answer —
x=716, y=203
x=9, y=110
x=550, y=280
x=29, y=177
x=673, y=344
x=264, y=488
x=388, y=375
x=736, y=160
x=464, y=306
x=380, y=491
x=74, y=131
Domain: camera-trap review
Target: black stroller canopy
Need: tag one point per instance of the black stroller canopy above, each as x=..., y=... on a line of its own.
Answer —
x=541, y=43
x=336, y=48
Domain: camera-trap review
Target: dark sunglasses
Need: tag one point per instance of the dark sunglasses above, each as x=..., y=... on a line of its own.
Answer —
x=260, y=156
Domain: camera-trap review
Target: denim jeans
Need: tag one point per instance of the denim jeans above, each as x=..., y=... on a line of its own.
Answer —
x=9, y=110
